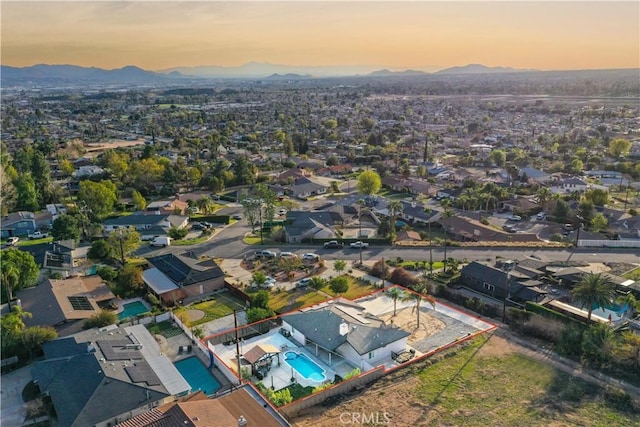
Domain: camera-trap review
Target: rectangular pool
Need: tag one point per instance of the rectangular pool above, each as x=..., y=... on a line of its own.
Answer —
x=197, y=375
x=132, y=309
x=305, y=366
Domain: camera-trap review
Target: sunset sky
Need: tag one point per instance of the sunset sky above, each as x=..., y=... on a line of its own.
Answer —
x=425, y=35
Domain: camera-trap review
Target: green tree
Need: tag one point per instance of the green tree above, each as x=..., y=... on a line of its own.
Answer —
x=26, y=196
x=100, y=197
x=419, y=293
x=369, y=183
x=178, y=233
x=339, y=265
x=586, y=210
x=41, y=172
x=18, y=270
x=543, y=195
x=100, y=250
x=122, y=242
x=395, y=208
x=65, y=227
x=258, y=278
x=205, y=205
x=129, y=282
x=619, y=147
x=34, y=336
x=66, y=167
x=597, y=196
x=7, y=189
x=138, y=200
x=599, y=222
x=11, y=328
x=339, y=284
x=115, y=162
x=499, y=157
x=101, y=319
x=317, y=283
x=268, y=199
x=594, y=290
x=255, y=314
x=561, y=211
x=576, y=166
x=260, y=299
x=395, y=294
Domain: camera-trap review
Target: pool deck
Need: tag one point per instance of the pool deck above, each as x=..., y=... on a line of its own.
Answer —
x=280, y=374
x=122, y=303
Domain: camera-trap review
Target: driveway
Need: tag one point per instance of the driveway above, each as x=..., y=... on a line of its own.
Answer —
x=12, y=412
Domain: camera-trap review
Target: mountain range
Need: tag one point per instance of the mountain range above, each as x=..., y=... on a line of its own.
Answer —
x=43, y=74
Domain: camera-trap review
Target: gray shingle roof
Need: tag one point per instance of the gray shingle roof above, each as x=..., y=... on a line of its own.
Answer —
x=185, y=270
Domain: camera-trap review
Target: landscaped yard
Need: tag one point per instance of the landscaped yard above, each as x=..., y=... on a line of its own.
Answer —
x=357, y=288
x=284, y=301
x=167, y=329
x=490, y=382
x=254, y=239
x=27, y=242
x=633, y=274
x=221, y=305
x=201, y=239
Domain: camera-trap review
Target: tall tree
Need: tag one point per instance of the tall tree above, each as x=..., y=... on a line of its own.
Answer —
x=18, y=270
x=100, y=197
x=339, y=265
x=65, y=227
x=7, y=190
x=138, y=200
x=26, y=195
x=419, y=293
x=594, y=290
x=123, y=241
x=395, y=294
x=268, y=199
x=369, y=183
x=619, y=147
x=395, y=208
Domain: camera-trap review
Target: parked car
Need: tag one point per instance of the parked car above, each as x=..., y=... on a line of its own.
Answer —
x=13, y=241
x=332, y=244
x=514, y=218
x=359, y=245
x=303, y=283
x=282, y=212
x=266, y=254
x=197, y=226
x=509, y=228
x=288, y=255
x=237, y=217
x=38, y=235
x=310, y=257
x=541, y=216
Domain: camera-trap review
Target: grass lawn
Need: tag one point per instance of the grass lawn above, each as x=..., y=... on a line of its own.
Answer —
x=281, y=302
x=167, y=329
x=220, y=306
x=27, y=242
x=136, y=261
x=188, y=242
x=251, y=239
x=410, y=264
x=357, y=288
x=633, y=274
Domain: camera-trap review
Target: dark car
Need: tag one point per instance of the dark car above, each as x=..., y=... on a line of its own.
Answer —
x=332, y=244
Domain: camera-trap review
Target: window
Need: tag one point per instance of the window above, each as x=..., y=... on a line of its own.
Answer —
x=489, y=287
x=371, y=355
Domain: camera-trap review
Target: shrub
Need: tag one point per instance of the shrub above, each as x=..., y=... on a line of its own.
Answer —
x=339, y=285
x=402, y=277
x=353, y=373
x=178, y=233
x=100, y=319
x=541, y=327
x=619, y=400
x=256, y=314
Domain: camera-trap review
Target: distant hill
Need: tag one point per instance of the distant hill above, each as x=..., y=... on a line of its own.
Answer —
x=387, y=73
x=43, y=74
x=479, y=69
x=288, y=76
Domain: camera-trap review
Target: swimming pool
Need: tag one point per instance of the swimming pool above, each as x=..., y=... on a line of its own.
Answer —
x=198, y=377
x=615, y=311
x=305, y=366
x=132, y=309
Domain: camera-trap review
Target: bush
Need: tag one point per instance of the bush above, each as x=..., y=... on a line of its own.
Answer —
x=255, y=314
x=402, y=277
x=178, y=233
x=339, y=285
x=619, y=400
x=99, y=250
x=548, y=329
x=107, y=274
x=101, y=319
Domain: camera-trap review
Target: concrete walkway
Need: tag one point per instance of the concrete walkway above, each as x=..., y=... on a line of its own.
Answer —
x=13, y=411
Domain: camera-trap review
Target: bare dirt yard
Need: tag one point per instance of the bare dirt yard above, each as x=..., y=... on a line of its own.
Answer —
x=406, y=319
x=486, y=382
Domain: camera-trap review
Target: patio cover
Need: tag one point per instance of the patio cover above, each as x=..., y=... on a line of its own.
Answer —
x=259, y=351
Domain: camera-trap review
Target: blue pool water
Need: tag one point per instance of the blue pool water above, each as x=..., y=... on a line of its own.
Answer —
x=305, y=366
x=132, y=309
x=616, y=311
x=198, y=377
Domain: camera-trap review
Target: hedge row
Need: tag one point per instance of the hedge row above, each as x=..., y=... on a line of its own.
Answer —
x=551, y=314
x=215, y=219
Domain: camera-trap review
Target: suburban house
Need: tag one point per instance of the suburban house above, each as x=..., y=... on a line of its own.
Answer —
x=408, y=236
x=101, y=377
x=345, y=328
x=147, y=225
x=519, y=285
x=174, y=278
x=469, y=230
x=66, y=258
x=303, y=225
x=411, y=186
x=569, y=185
x=518, y=204
x=87, y=171
x=166, y=207
x=242, y=405
x=303, y=188
x=335, y=170
x=532, y=176
x=65, y=304
x=17, y=224
x=291, y=175
x=415, y=213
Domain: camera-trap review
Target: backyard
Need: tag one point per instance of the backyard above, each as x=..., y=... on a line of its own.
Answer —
x=489, y=382
x=219, y=306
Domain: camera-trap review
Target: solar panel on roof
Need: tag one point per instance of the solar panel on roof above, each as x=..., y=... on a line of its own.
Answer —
x=80, y=303
x=142, y=372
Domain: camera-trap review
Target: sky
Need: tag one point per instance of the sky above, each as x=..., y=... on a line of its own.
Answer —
x=424, y=35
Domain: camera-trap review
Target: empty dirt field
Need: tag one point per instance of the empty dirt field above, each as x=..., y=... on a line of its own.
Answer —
x=487, y=382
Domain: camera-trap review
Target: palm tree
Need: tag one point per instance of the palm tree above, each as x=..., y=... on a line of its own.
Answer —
x=594, y=290
x=395, y=208
x=543, y=195
x=205, y=204
x=394, y=293
x=419, y=293
x=10, y=277
x=428, y=212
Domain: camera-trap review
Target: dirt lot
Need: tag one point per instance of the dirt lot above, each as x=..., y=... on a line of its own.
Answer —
x=493, y=383
x=406, y=319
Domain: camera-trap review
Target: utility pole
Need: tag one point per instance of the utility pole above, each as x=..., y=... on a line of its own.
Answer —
x=235, y=324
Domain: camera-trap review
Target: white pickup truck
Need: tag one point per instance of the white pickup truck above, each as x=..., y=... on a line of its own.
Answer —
x=359, y=245
x=38, y=235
